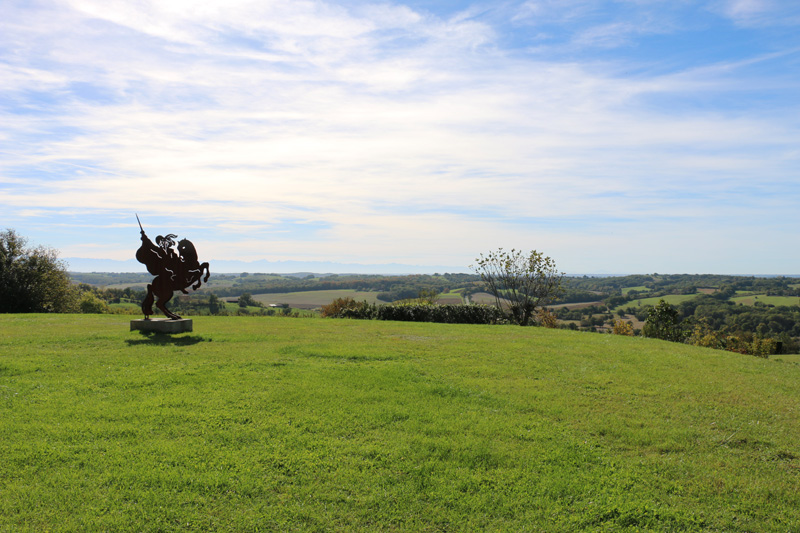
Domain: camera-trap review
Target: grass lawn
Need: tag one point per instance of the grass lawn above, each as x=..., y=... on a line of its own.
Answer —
x=127, y=306
x=790, y=357
x=317, y=424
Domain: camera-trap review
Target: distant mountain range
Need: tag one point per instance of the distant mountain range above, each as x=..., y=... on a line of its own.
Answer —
x=80, y=264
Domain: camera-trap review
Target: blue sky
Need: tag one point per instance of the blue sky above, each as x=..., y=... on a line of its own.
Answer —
x=615, y=136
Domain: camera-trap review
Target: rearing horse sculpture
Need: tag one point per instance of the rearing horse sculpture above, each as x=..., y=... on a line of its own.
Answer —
x=173, y=271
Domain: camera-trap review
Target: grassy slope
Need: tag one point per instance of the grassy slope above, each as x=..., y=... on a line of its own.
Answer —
x=325, y=424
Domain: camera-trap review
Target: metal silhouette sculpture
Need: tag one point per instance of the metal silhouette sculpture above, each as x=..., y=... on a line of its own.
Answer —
x=173, y=271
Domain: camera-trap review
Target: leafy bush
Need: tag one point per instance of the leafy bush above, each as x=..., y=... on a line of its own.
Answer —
x=414, y=312
x=361, y=311
x=752, y=345
x=739, y=342
x=546, y=318
x=335, y=308
x=448, y=314
x=622, y=328
x=246, y=300
x=349, y=308
x=91, y=304
x=703, y=335
x=664, y=322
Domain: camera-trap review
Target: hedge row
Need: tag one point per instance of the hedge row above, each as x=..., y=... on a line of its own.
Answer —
x=447, y=314
x=416, y=312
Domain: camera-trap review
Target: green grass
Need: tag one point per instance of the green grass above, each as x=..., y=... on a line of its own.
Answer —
x=127, y=306
x=640, y=288
x=672, y=299
x=789, y=357
x=767, y=300
x=309, y=424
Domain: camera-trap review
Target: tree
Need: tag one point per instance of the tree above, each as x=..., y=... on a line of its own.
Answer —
x=246, y=300
x=428, y=296
x=622, y=328
x=91, y=304
x=524, y=281
x=663, y=322
x=214, y=305
x=33, y=280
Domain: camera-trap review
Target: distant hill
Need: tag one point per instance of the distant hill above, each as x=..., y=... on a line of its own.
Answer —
x=82, y=264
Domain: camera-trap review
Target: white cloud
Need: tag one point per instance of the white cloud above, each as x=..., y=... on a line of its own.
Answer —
x=743, y=9
x=756, y=13
x=362, y=132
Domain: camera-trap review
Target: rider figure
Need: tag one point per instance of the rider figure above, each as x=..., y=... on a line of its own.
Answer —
x=170, y=258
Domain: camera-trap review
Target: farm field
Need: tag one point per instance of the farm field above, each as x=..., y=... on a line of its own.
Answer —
x=766, y=300
x=576, y=305
x=320, y=424
x=639, y=288
x=672, y=299
x=314, y=299
x=140, y=285
x=483, y=298
x=451, y=298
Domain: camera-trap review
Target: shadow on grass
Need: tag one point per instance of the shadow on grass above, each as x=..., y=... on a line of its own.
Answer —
x=155, y=338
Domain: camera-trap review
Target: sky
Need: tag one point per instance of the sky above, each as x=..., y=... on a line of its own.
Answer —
x=624, y=136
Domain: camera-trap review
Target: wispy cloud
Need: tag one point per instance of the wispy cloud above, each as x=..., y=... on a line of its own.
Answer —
x=380, y=133
x=760, y=12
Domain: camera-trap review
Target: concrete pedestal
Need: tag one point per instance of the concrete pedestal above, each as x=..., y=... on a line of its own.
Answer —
x=162, y=325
